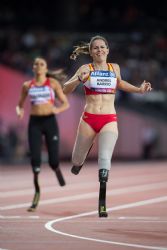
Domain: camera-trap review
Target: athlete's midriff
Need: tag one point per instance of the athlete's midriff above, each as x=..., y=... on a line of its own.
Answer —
x=100, y=104
x=42, y=109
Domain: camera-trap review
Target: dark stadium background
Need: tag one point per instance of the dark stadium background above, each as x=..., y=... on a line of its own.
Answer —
x=136, y=31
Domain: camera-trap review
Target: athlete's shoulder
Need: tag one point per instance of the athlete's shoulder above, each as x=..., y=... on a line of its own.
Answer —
x=27, y=84
x=53, y=81
x=54, y=84
x=116, y=69
x=115, y=66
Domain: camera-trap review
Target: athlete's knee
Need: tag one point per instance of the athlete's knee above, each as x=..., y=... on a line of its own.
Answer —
x=54, y=163
x=35, y=163
x=36, y=169
x=103, y=175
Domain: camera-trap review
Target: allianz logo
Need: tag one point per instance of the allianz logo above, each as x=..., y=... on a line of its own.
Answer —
x=102, y=73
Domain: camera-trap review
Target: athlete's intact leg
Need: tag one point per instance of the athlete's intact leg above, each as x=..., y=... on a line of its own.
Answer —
x=83, y=144
x=52, y=142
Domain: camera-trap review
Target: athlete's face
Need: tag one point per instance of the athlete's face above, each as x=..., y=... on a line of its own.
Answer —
x=99, y=51
x=40, y=66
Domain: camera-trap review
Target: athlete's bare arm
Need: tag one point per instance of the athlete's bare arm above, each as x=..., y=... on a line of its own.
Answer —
x=60, y=95
x=22, y=98
x=81, y=74
x=125, y=86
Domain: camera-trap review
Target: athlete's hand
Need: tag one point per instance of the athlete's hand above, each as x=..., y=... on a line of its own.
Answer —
x=145, y=87
x=83, y=73
x=19, y=112
x=55, y=110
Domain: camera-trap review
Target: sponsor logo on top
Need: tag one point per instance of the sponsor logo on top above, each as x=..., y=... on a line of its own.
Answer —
x=102, y=73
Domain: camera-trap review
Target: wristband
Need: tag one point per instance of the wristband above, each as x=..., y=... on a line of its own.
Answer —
x=17, y=109
x=79, y=79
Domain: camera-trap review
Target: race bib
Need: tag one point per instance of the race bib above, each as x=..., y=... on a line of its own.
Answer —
x=103, y=80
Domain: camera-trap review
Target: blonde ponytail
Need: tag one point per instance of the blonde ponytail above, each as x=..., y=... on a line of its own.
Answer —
x=80, y=49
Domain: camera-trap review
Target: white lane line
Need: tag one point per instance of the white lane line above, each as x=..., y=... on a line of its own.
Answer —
x=131, y=189
x=18, y=217
x=142, y=218
x=49, y=224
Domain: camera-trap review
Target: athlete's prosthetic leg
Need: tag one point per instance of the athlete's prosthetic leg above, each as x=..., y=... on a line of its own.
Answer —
x=103, y=178
x=60, y=176
x=107, y=140
x=36, y=195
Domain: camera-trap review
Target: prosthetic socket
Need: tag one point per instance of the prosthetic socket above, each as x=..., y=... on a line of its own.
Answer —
x=103, y=175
